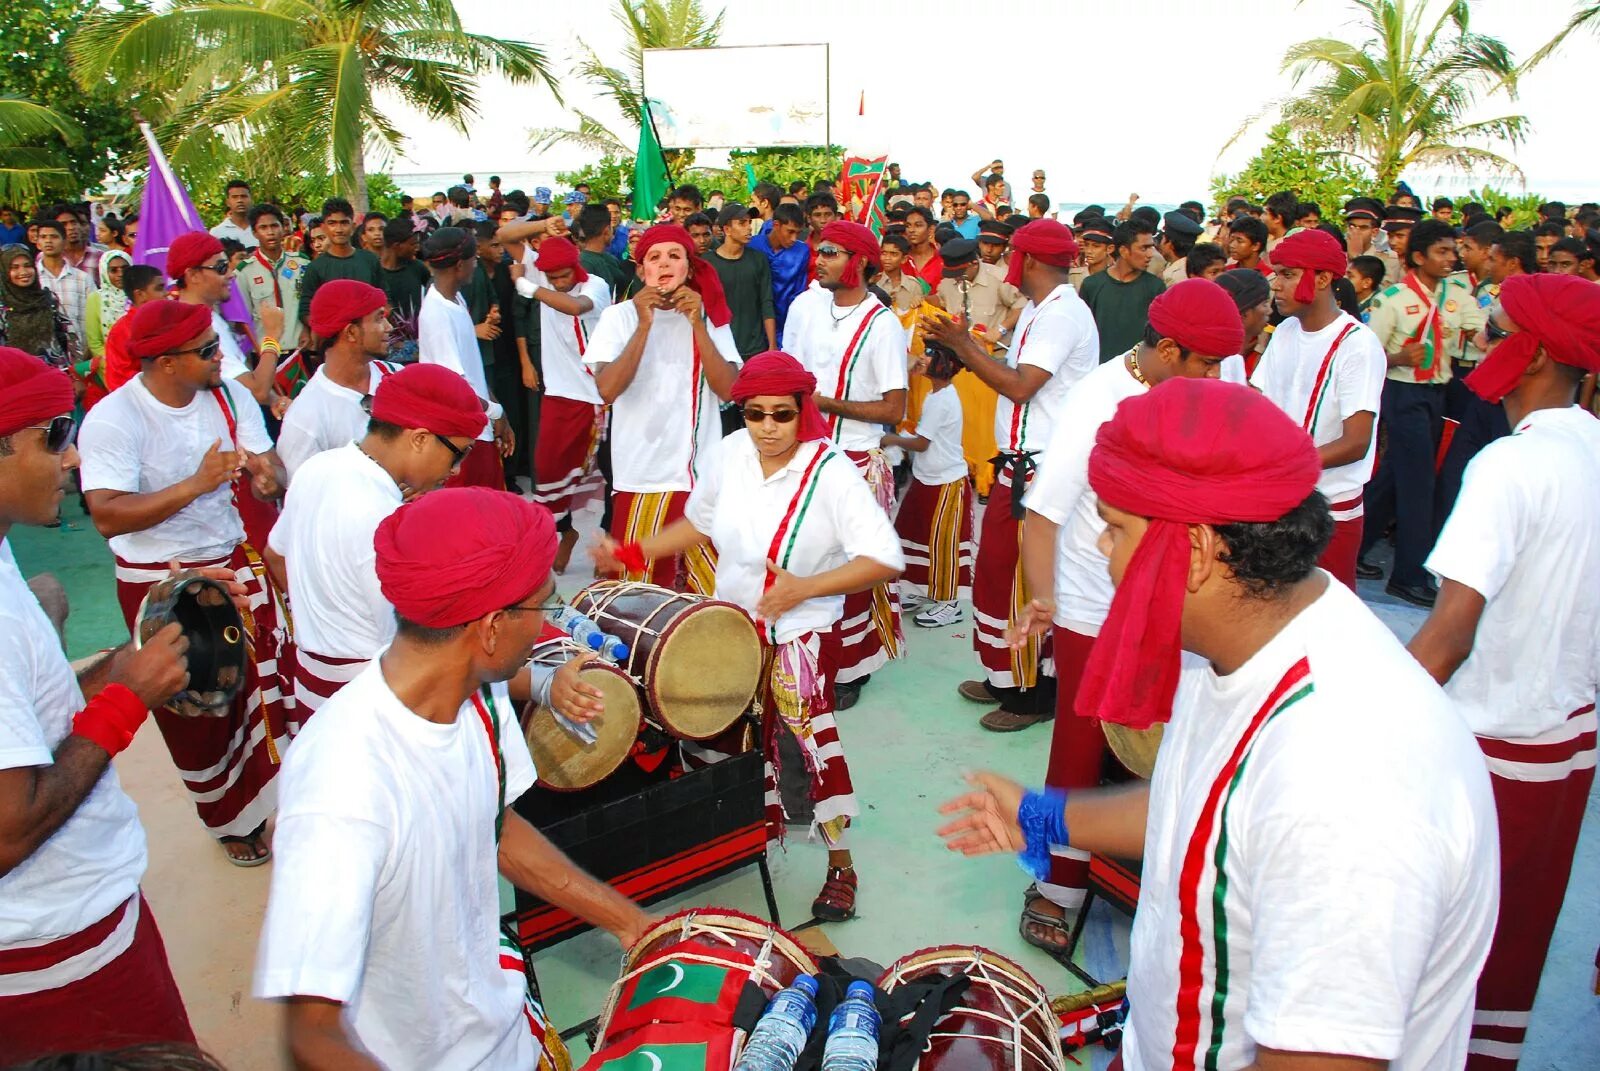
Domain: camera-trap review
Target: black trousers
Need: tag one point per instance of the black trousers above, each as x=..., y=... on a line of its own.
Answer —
x=1401, y=491
x=1479, y=424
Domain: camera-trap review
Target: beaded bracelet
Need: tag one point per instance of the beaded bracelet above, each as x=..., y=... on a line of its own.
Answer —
x=1042, y=816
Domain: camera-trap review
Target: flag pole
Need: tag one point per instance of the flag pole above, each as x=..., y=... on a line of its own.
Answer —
x=666, y=164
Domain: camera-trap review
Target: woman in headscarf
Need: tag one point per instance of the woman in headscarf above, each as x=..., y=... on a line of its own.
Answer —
x=30, y=317
x=108, y=304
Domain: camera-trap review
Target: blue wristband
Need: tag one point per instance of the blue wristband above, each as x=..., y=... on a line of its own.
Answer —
x=1042, y=816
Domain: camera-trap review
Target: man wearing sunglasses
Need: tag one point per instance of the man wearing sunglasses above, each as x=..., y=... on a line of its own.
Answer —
x=82, y=965
x=857, y=350
x=201, y=275
x=160, y=459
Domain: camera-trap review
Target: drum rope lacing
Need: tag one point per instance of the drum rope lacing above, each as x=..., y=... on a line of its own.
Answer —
x=996, y=978
x=599, y=606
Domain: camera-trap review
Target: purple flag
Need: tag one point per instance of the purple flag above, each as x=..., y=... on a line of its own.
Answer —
x=166, y=212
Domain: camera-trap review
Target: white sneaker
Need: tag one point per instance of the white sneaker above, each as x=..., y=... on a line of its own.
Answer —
x=911, y=600
x=939, y=614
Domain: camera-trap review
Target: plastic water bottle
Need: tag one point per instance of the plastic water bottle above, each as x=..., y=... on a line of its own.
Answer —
x=853, y=1032
x=776, y=1041
x=586, y=632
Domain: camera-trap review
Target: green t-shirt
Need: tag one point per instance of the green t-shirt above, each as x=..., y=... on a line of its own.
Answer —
x=360, y=265
x=608, y=268
x=747, y=283
x=1121, y=310
x=404, y=287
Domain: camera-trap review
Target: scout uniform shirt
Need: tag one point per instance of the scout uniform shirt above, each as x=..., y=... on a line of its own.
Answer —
x=1443, y=321
x=988, y=300
x=276, y=282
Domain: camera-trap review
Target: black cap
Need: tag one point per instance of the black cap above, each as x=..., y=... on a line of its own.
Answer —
x=944, y=234
x=1088, y=212
x=1181, y=223
x=1363, y=208
x=1096, y=229
x=957, y=253
x=732, y=211
x=994, y=230
x=1398, y=217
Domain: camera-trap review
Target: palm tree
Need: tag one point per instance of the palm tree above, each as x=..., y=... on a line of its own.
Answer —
x=300, y=76
x=1587, y=16
x=649, y=24
x=1401, y=98
x=27, y=163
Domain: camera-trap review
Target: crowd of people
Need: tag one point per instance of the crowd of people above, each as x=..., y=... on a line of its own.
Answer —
x=1188, y=433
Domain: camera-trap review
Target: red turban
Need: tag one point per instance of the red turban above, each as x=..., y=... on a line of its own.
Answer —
x=190, y=250
x=31, y=392
x=338, y=303
x=856, y=240
x=1559, y=312
x=1191, y=451
x=1048, y=240
x=159, y=327
x=775, y=372
x=429, y=396
x=558, y=254
x=1312, y=250
x=703, y=278
x=452, y=556
x=1199, y=315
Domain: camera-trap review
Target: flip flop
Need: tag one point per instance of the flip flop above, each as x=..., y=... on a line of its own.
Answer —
x=253, y=840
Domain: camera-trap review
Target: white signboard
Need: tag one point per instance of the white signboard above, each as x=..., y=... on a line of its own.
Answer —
x=740, y=97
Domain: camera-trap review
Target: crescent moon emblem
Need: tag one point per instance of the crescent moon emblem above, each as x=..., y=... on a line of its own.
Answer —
x=655, y=1061
x=677, y=977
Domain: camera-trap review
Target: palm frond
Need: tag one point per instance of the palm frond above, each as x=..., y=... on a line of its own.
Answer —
x=23, y=120
x=1587, y=16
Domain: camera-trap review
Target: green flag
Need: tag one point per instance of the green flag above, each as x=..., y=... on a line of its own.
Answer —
x=649, y=171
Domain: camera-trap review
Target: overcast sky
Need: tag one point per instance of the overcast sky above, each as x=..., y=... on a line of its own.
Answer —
x=1135, y=95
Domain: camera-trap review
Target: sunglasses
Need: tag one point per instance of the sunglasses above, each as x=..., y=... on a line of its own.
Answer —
x=753, y=415
x=1491, y=330
x=457, y=454
x=206, y=353
x=221, y=269
x=57, y=433
x=829, y=250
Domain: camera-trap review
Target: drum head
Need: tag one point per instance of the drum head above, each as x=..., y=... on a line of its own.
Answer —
x=211, y=623
x=1134, y=748
x=705, y=671
x=564, y=762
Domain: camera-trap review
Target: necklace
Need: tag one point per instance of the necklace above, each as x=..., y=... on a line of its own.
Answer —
x=837, y=320
x=1133, y=366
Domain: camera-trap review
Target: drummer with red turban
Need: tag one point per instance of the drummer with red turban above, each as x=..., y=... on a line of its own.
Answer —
x=382, y=931
x=664, y=362
x=1316, y=802
x=1055, y=344
x=160, y=457
x=857, y=349
x=1512, y=635
x=797, y=530
x=1325, y=369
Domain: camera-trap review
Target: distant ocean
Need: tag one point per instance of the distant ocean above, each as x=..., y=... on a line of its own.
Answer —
x=427, y=183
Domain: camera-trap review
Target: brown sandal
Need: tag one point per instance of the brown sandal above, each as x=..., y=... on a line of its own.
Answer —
x=837, y=900
x=1004, y=721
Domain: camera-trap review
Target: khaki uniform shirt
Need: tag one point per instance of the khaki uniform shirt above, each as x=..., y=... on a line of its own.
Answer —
x=1176, y=272
x=1398, y=315
x=256, y=284
x=908, y=294
x=1391, y=267
x=1158, y=265
x=987, y=301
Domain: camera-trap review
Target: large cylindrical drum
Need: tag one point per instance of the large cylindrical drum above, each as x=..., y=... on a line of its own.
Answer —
x=1003, y=1020
x=698, y=660
x=569, y=755
x=1135, y=748
x=217, y=636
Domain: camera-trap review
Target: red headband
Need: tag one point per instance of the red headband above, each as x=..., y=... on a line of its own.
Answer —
x=775, y=372
x=1199, y=315
x=1191, y=451
x=452, y=556
x=190, y=250
x=159, y=327
x=703, y=278
x=859, y=242
x=1048, y=240
x=30, y=391
x=559, y=254
x=1559, y=312
x=338, y=303
x=431, y=397
x=1312, y=250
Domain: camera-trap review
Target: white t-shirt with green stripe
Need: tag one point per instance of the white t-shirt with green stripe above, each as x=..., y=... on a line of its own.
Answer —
x=1321, y=864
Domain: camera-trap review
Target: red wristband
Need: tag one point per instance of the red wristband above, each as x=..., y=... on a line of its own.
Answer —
x=631, y=555
x=111, y=718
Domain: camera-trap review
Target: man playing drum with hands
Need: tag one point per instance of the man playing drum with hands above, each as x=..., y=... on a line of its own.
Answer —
x=796, y=529
x=1308, y=901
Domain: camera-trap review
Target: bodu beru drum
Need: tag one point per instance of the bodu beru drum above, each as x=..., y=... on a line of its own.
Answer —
x=698, y=660
x=570, y=756
x=218, y=640
x=1134, y=748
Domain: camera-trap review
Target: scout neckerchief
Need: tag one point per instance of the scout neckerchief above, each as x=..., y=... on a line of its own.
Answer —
x=787, y=534
x=847, y=363
x=272, y=273
x=489, y=714
x=1319, y=389
x=1430, y=331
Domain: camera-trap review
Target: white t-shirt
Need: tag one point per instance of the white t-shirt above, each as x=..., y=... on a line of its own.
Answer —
x=1523, y=534
x=563, y=340
x=324, y=415
x=1361, y=882
x=1290, y=373
x=667, y=421
x=940, y=423
x=1060, y=491
x=325, y=536
x=1059, y=336
x=234, y=364
x=873, y=367
x=836, y=519
x=229, y=229
x=385, y=893
x=133, y=442
x=445, y=336
x=94, y=861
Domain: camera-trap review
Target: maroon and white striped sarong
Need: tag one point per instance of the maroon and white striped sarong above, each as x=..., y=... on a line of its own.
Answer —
x=1541, y=785
x=228, y=763
x=316, y=678
x=563, y=458
x=869, y=633
x=935, y=529
x=999, y=593
x=1339, y=556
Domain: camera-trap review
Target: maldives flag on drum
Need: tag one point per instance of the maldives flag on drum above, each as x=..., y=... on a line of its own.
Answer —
x=668, y=1047
x=861, y=190
x=685, y=983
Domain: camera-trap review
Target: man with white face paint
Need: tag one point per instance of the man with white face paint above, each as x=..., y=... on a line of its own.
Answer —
x=663, y=362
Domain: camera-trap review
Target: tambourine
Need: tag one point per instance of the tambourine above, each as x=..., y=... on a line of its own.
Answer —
x=215, y=630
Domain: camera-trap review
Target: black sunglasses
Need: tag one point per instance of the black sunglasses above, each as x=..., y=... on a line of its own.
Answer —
x=459, y=455
x=1494, y=332
x=222, y=269
x=754, y=415
x=831, y=251
x=206, y=352
x=57, y=433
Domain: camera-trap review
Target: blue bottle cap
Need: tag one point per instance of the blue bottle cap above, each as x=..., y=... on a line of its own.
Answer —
x=620, y=651
x=595, y=640
x=860, y=989
x=807, y=983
